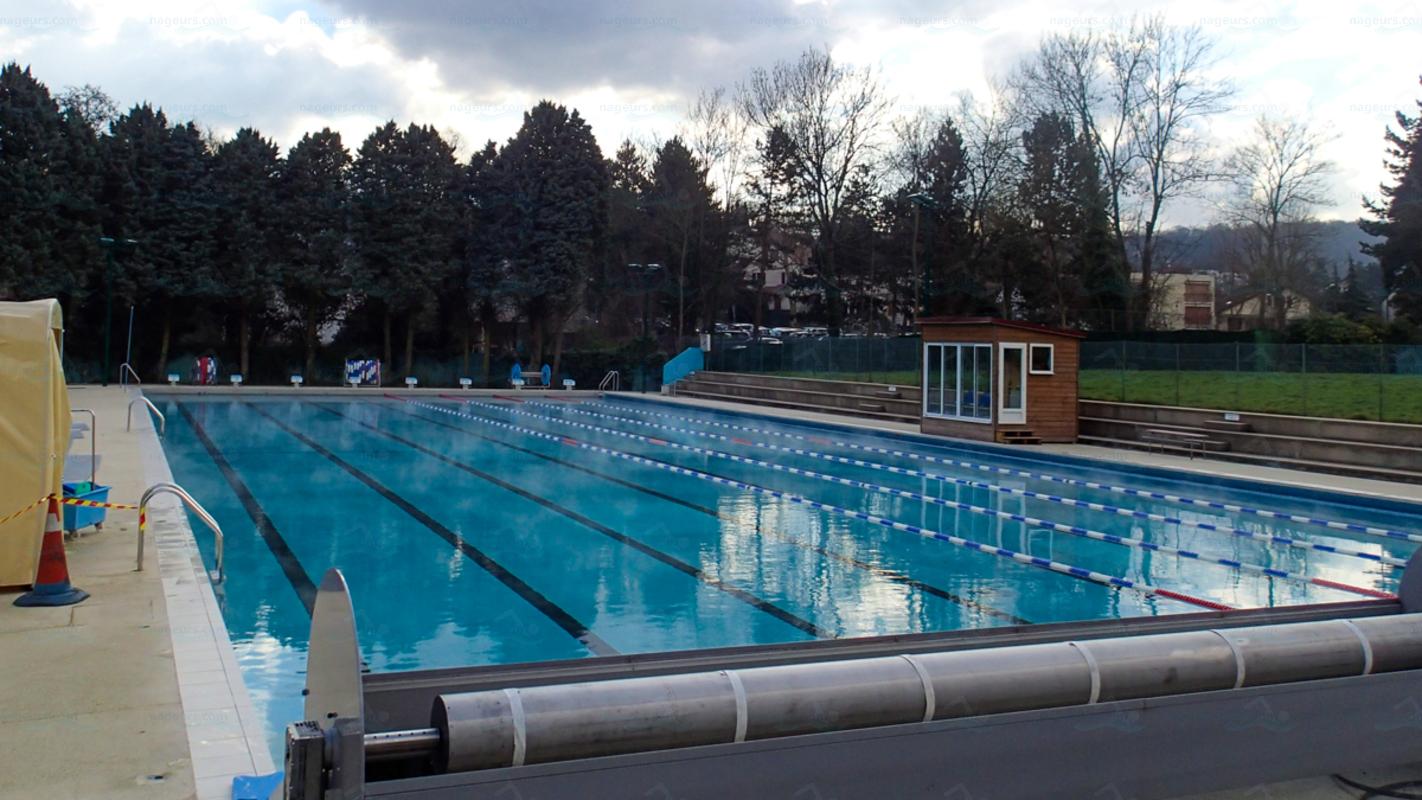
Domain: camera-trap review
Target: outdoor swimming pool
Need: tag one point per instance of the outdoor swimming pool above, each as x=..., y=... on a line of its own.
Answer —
x=487, y=530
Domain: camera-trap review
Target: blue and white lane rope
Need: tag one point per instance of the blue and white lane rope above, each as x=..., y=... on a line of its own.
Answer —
x=1353, y=527
x=1286, y=541
x=1074, y=530
x=1001, y=552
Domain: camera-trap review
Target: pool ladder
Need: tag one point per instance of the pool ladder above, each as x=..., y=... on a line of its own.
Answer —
x=219, y=574
x=162, y=420
x=611, y=382
x=125, y=370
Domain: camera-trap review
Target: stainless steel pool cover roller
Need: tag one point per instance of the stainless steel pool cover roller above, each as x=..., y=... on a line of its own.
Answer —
x=510, y=727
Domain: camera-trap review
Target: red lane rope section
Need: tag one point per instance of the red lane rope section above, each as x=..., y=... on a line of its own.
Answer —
x=1351, y=588
x=1185, y=598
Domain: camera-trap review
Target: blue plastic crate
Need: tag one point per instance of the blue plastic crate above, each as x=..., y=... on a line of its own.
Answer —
x=76, y=517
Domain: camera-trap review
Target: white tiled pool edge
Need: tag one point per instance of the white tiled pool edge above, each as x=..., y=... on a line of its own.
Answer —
x=225, y=734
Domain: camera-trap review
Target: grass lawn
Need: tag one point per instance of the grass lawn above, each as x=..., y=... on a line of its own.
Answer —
x=1390, y=398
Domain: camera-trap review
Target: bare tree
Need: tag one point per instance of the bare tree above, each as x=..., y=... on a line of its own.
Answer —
x=993, y=145
x=716, y=130
x=91, y=104
x=1278, y=178
x=1139, y=93
x=1175, y=94
x=832, y=115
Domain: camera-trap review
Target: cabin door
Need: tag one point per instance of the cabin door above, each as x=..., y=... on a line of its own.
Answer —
x=1012, y=384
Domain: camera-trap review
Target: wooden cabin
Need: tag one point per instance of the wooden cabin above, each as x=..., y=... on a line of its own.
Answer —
x=999, y=380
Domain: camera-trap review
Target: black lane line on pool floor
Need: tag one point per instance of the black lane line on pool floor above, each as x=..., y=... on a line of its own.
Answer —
x=532, y=596
x=883, y=572
x=666, y=558
x=290, y=566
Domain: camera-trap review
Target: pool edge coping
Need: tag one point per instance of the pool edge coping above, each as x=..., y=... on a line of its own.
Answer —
x=185, y=586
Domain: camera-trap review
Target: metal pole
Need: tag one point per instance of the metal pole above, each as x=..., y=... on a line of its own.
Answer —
x=1303, y=375
x=1123, y=370
x=1177, y=373
x=1382, y=365
x=108, y=307
x=128, y=351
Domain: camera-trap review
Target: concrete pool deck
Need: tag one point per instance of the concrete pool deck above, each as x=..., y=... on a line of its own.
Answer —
x=133, y=693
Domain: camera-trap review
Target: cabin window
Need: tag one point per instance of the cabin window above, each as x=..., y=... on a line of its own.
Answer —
x=958, y=381
x=1043, y=360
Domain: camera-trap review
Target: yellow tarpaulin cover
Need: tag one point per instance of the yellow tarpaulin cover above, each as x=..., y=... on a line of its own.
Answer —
x=34, y=429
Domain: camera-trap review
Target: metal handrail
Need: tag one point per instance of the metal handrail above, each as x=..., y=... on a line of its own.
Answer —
x=162, y=420
x=172, y=488
x=123, y=379
x=612, y=381
x=93, y=443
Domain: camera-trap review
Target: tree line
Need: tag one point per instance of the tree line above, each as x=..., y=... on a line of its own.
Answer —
x=1042, y=199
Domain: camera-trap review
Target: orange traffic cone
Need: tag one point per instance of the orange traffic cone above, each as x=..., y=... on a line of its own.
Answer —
x=52, y=587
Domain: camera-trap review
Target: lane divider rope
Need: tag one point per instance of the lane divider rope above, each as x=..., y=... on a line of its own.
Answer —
x=1258, y=536
x=1074, y=530
x=1001, y=552
x=1352, y=527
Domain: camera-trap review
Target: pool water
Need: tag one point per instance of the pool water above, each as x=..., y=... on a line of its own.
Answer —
x=498, y=531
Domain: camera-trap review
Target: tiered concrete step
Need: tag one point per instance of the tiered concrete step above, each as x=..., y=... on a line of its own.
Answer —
x=870, y=400
x=1383, y=450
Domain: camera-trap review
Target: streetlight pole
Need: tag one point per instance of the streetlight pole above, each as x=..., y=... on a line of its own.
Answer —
x=109, y=244
x=920, y=201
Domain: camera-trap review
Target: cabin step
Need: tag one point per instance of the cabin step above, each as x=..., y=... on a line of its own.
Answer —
x=1018, y=437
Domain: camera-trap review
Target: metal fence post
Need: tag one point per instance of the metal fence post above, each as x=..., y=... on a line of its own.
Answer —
x=1177, y=373
x=1236, y=378
x=1303, y=375
x=1123, y=371
x=1382, y=367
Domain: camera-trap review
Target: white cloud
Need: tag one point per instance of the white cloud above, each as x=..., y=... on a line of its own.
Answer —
x=631, y=66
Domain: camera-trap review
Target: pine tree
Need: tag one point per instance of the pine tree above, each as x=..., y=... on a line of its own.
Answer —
x=772, y=202
x=483, y=276
x=313, y=196
x=406, y=187
x=158, y=192
x=247, y=243
x=549, y=217
x=614, y=295
x=1399, y=218
x=48, y=163
x=678, y=204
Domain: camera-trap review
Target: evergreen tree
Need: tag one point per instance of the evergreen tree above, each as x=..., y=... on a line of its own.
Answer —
x=772, y=202
x=48, y=163
x=246, y=242
x=615, y=295
x=406, y=188
x=1398, y=218
x=158, y=191
x=312, y=226
x=1048, y=194
x=483, y=277
x=549, y=217
x=678, y=204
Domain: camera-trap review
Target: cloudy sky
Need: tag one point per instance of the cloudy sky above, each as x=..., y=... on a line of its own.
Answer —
x=289, y=66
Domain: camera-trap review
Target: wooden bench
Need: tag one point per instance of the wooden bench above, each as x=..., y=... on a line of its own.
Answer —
x=1190, y=441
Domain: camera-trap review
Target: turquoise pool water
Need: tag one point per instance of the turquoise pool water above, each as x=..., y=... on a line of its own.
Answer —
x=498, y=531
